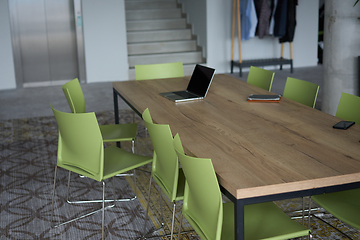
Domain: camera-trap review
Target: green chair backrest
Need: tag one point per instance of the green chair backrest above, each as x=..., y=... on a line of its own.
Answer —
x=80, y=146
x=202, y=204
x=74, y=95
x=161, y=70
x=165, y=166
x=301, y=91
x=349, y=108
x=261, y=78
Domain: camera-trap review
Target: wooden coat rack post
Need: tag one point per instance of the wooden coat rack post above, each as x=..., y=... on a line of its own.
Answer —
x=254, y=62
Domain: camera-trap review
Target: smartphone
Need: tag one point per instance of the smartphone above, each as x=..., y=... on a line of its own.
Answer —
x=343, y=125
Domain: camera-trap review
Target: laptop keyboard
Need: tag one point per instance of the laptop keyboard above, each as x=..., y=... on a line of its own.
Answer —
x=185, y=94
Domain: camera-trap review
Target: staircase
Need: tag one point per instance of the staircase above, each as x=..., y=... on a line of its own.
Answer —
x=157, y=32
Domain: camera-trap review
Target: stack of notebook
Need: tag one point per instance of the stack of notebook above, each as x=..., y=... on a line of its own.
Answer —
x=264, y=98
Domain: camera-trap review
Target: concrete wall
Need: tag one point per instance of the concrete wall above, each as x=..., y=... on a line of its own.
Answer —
x=7, y=70
x=218, y=35
x=341, y=51
x=105, y=40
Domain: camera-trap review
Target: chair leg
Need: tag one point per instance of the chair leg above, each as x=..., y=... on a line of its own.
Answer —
x=103, y=205
x=180, y=223
x=103, y=211
x=83, y=216
x=309, y=217
x=147, y=207
x=53, y=196
x=161, y=208
x=162, y=220
x=135, y=188
x=173, y=220
x=303, y=211
x=133, y=146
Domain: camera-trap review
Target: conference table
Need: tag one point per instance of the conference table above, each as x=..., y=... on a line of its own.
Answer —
x=260, y=151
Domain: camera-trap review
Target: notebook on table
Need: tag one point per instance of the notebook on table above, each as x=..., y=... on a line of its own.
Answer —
x=197, y=88
x=264, y=98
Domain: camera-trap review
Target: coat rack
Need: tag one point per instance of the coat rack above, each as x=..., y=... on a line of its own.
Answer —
x=254, y=62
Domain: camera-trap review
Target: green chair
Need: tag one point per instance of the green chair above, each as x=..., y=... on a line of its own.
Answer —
x=204, y=209
x=161, y=70
x=261, y=78
x=111, y=132
x=344, y=205
x=81, y=150
x=301, y=91
x=349, y=108
x=165, y=166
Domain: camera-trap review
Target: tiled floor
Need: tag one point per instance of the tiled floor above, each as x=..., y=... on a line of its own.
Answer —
x=35, y=102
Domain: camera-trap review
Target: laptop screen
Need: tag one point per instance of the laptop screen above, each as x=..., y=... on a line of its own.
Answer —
x=200, y=80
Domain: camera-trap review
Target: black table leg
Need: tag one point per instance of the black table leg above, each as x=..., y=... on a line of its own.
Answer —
x=239, y=219
x=116, y=111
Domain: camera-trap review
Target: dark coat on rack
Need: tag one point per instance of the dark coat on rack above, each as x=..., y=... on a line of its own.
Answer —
x=290, y=22
x=280, y=17
x=263, y=11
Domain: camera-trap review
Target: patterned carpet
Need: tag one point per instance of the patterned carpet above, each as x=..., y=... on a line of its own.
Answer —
x=27, y=159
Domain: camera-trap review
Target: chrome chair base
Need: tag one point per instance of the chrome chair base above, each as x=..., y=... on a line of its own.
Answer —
x=146, y=236
x=85, y=215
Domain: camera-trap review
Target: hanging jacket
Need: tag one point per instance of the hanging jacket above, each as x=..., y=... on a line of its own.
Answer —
x=280, y=18
x=263, y=10
x=291, y=22
x=248, y=19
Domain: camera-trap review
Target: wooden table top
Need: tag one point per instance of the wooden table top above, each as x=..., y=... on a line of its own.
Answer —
x=257, y=149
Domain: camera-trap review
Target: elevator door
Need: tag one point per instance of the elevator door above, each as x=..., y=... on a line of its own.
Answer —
x=44, y=41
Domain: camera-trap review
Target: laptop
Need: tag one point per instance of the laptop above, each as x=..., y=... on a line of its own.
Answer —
x=197, y=88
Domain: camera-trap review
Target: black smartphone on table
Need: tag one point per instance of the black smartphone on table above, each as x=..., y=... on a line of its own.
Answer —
x=343, y=124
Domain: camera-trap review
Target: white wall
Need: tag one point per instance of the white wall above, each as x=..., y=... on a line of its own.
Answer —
x=197, y=16
x=218, y=34
x=105, y=40
x=7, y=70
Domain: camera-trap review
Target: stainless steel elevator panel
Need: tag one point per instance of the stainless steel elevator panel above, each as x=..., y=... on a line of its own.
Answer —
x=61, y=37
x=29, y=29
x=44, y=41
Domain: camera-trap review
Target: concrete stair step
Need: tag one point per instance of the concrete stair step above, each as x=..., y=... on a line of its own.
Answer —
x=162, y=47
x=188, y=70
x=156, y=24
x=157, y=32
x=185, y=57
x=156, y=4
x=153, y=14
x=162, y=35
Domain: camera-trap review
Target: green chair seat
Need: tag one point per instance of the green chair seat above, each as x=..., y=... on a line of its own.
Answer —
x=261, y=78
x=344, y=205
x=301, y=91
x=212, y=219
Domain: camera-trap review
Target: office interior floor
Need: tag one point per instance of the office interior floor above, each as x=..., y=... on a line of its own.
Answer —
x=35, y=102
